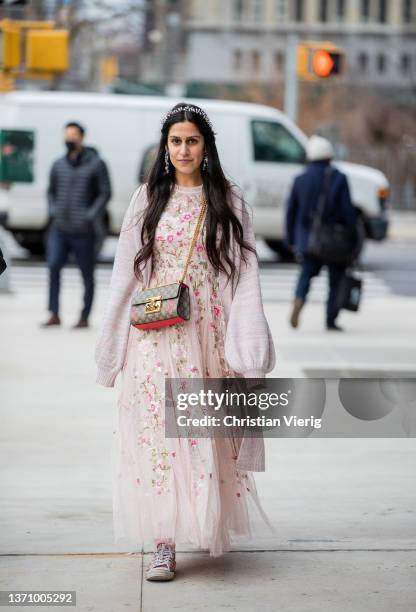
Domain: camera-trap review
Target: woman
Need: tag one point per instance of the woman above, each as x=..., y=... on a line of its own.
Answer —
x=183, y=490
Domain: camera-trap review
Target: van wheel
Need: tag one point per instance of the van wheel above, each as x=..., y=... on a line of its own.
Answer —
x=280, y=249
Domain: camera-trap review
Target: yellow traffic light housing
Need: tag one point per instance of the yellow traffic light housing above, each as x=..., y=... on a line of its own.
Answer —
x=10, y=48
x=47, y=50
x=319, y=60
x=31, y=50
x=109, y=69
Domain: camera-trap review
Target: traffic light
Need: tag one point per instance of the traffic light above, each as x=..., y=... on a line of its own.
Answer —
x=109, y=69
x=47, y=50
x=319, y=60
x=9, y=48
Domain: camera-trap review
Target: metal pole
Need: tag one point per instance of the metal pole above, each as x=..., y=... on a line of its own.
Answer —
x=291, y=81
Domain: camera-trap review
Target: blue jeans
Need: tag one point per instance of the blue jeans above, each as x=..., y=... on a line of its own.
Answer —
x=310, y=267
x=59, y=245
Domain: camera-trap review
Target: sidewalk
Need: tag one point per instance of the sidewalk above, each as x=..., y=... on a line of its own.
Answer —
x=344, y=510
x=402, y=225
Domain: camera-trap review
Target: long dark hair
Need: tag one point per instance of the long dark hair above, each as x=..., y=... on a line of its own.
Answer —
x=216, y=187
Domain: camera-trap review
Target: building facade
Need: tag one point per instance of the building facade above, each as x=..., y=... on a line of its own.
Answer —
x=235, y=41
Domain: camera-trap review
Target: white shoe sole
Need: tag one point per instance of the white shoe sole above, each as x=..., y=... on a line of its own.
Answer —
x=159, y=574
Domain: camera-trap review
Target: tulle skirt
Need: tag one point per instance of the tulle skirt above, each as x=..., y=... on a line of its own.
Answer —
x=181, y=490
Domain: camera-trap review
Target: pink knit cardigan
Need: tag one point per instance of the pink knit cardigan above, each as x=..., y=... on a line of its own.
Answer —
x=249, y=348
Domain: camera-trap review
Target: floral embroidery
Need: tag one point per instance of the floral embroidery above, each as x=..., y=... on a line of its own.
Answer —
x=151, y=367
x=217, y=311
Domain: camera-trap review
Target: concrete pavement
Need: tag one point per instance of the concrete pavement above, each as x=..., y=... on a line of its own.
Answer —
x=402, y=225
x=344, y=510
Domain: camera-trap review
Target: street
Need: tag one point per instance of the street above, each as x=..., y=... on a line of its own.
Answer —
x=343, y=509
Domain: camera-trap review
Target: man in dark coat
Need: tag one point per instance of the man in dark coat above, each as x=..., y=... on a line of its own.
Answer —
x=302, y=206
x=78, y=193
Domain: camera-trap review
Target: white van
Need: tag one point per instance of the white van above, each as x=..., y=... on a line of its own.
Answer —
x=260, y=148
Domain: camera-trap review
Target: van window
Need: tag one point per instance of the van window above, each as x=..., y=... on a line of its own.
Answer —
x=272, y=142
x=148, y=158
x=16, y=156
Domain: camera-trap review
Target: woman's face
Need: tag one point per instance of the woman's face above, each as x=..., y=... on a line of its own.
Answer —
x=185, y=145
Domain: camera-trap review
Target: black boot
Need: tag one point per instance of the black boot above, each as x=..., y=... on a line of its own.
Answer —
x=334, y=327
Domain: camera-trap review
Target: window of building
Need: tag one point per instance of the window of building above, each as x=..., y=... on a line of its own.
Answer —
x=340, y=9
x=381, y=63
x=281, y=10
x=279, y=61
x=273, y=143
x=382, y=11
x=405, y=63
x=237, y=59
x=258, y=8
x=407, y=11
x=238, y=9
x=299, y=10
x=365, y=10
x=363, y=62
x=323, y=10
x=255, y=59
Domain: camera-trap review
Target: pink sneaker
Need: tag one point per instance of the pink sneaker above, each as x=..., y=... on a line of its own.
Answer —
x=163, y=564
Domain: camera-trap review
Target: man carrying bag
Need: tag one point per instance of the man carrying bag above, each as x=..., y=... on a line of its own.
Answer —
x=321, y=227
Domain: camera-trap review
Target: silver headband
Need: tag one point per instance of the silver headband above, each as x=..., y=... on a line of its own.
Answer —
x=192, y=109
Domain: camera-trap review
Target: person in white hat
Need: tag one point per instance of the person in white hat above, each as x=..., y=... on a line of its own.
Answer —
x=319, y=148
x=319, y=176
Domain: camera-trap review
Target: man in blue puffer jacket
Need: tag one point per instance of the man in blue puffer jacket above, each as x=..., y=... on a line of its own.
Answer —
x=78, y=193
x=302, y=205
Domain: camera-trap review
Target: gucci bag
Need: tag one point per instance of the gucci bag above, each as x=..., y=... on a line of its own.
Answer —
x=168, y=304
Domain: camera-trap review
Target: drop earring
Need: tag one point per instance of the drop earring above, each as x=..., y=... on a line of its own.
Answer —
x=205, y=163
x=166, y=162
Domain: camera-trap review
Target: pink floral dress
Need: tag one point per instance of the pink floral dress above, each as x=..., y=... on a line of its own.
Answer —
x=180, y=490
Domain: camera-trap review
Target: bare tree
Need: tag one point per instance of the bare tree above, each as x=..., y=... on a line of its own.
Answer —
x=93, y=28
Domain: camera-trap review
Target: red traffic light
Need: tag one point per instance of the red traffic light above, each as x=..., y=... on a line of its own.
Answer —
x=326, y=63
x=322, y=63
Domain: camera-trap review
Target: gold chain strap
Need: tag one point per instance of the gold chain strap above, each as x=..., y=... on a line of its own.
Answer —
x=195, y=236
